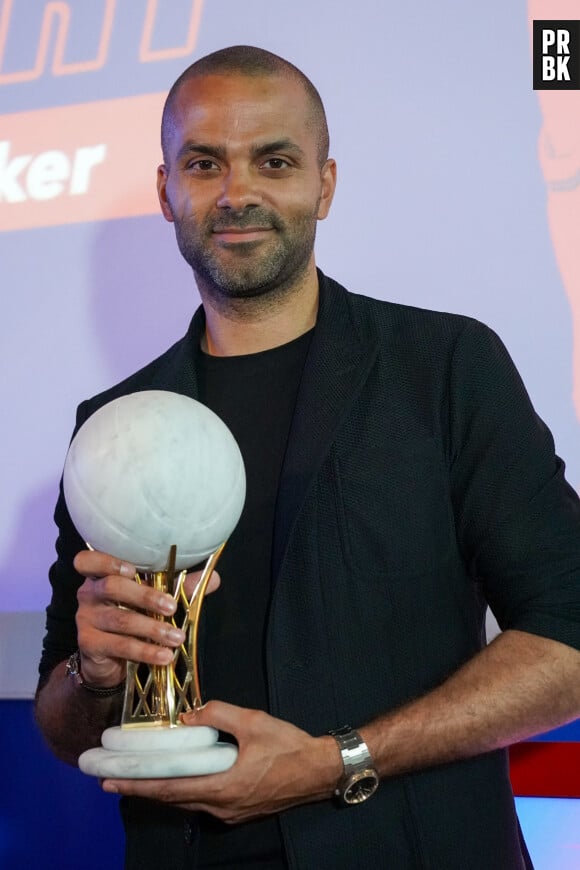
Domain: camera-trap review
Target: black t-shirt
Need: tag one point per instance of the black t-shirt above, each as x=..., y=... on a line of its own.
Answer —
x=255, y=396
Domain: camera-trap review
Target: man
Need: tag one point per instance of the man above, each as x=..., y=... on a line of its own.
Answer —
x=397, y=479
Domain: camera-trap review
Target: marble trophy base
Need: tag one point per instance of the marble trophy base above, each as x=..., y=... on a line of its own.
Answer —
x=158, y=752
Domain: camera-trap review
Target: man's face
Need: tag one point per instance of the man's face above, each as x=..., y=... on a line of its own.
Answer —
x=243, y=184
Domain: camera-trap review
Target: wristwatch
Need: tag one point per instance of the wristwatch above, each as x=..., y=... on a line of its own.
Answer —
x=360, y=780
x=73, y=670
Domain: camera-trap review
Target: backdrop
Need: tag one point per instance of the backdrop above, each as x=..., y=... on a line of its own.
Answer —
x=458, y=190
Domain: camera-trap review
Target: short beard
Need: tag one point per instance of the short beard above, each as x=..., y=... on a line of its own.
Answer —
x=264, y=277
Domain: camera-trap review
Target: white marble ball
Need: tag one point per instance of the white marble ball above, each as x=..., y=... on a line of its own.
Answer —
x=153, y=469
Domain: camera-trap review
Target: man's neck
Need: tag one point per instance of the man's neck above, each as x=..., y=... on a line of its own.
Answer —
x=251, y=325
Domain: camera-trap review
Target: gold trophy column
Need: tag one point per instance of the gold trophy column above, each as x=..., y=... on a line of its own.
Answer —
x=159, y=694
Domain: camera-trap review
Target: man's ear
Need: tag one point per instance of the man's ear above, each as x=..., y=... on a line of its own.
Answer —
x=328, y=178
x=162, y=192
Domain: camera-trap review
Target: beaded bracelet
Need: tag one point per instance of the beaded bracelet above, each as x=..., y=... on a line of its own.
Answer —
x=73, y=669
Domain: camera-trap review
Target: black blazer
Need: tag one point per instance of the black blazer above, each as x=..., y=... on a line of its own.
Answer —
x=418, y=485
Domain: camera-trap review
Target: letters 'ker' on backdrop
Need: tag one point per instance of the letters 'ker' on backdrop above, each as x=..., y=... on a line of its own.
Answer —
x=70, y=163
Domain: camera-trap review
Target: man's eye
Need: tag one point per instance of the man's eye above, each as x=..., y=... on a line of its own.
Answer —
x=276, y=163
x=205, y=165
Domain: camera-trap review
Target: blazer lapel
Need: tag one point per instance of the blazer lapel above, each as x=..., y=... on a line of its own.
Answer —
x=337, y=365
x=179, y=373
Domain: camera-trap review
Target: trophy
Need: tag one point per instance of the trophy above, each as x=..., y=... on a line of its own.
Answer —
x=157, y=479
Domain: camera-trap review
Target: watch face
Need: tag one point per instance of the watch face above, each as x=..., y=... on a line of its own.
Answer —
x=361, y=787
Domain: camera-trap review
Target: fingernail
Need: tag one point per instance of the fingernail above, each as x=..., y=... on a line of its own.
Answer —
x=126, y=570
x=167, y=604
x=189, y=717
x=164, y=656
x=110, y=787
x=174, y=635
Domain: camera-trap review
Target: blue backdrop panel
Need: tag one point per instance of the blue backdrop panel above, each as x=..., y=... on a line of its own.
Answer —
x=52, y=817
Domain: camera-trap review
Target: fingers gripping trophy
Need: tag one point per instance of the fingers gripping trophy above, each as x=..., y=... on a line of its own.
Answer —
x=157, y=479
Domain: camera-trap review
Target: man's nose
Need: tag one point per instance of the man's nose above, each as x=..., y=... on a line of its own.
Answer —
x=240, y=189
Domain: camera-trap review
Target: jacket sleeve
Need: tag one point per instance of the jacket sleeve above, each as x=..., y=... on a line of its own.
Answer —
x=60, y=639
x=518, y=520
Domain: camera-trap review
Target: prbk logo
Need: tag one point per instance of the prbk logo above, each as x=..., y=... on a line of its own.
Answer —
x=556, y=55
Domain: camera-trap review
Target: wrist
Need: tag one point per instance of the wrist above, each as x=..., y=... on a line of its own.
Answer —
x=318, y=768
x=74, y=673
x=332, y=763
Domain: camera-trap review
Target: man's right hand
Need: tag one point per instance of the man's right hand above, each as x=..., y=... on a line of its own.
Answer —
x=115, y=622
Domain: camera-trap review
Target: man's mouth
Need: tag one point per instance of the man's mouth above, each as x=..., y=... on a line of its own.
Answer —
x=235, y=235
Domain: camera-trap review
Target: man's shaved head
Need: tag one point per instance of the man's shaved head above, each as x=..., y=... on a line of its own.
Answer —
x=246, y=60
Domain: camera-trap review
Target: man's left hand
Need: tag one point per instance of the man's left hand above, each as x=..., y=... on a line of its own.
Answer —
x=278, y=766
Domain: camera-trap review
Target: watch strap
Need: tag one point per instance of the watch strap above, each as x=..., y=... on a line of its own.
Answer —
x=354, y=751
x=360, y=779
